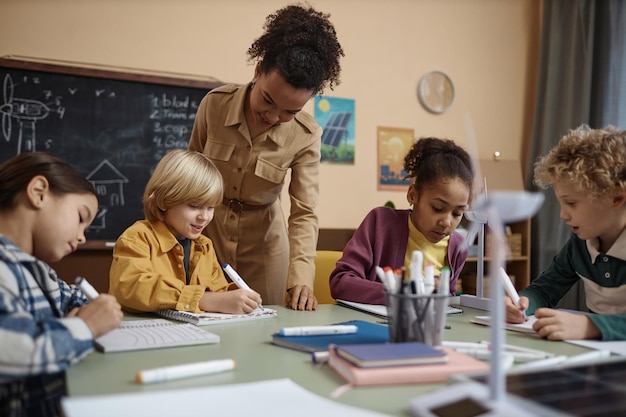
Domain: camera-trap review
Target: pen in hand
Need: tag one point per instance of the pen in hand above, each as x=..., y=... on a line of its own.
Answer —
x=236, y=278
x=510, y=290
x=87, y=289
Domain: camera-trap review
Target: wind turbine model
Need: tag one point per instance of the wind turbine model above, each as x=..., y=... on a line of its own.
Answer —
x=472, y=397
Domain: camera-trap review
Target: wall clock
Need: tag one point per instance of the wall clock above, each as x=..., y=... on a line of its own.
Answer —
x=435, y=92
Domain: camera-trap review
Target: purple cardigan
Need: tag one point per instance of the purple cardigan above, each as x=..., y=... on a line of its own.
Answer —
x=381, y=240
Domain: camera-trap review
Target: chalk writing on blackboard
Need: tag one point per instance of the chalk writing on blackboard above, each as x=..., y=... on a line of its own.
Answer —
x=112, y=126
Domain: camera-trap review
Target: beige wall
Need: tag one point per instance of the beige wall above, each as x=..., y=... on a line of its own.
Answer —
x=488, y=47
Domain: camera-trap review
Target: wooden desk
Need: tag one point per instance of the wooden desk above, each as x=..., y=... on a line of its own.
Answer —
x=257, y=359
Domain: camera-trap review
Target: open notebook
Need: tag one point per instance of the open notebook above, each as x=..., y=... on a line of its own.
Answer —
x=202, y=319
x=381, y=310
x=526, y=327
x=153, y=334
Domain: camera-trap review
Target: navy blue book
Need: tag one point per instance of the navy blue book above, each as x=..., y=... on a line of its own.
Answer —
x=368, y=355
x=367, y=332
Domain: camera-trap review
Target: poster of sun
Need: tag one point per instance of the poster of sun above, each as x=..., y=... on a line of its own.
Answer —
x=393, y=145
x=336, y=116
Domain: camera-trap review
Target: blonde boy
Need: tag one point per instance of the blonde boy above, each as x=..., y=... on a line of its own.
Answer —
x=164, y=261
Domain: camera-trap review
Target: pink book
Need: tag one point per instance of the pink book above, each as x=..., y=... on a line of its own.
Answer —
x=458, y=363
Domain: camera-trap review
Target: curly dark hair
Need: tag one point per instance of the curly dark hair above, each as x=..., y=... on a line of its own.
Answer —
x=302, y=45
x=431, y=159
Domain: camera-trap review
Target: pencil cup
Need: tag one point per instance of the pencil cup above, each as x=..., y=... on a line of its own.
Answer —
x=416, y=318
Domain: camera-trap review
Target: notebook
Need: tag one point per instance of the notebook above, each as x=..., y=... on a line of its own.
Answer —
x=381, y=310
x=366, y=333
x=458, y=363
x=153, y=334
x=202, y=319
x=526, y=327
x=367, y=355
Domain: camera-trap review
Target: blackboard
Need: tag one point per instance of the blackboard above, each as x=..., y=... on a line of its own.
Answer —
x=114, y=126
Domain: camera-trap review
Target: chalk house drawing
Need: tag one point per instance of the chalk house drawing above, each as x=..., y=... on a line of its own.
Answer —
x=109, y=185
x=26, y=112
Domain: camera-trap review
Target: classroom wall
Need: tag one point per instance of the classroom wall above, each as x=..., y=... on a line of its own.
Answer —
x=488, y=47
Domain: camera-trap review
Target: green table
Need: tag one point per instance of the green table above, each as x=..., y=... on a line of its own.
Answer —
x=248, y=343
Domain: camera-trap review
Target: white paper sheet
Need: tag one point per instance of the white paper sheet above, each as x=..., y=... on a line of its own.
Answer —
x=276, y=398
x=615, y=347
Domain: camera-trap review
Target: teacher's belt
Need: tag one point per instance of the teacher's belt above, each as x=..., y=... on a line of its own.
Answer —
x=237, y=205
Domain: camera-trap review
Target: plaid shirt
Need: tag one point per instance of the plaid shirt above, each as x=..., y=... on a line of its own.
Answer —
x=35, y=337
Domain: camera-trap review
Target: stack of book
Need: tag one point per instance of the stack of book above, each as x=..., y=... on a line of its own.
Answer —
x=399, y=363
x=371, y=355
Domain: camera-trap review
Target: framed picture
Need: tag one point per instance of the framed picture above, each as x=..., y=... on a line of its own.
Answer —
x=336, y=116
x=393, y=145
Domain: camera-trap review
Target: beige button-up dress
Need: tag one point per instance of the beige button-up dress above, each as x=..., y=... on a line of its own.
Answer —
x=269, y=253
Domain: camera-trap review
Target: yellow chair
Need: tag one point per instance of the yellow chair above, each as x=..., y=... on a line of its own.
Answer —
x=324, y=264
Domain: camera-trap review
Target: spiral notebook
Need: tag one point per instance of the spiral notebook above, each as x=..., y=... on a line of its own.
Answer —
x=153, y=334
x=203, y=319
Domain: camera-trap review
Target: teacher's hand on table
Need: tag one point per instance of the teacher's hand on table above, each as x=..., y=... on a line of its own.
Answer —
x=301, y=297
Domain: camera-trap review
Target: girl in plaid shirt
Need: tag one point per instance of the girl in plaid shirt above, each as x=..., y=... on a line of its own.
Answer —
x=46, y=325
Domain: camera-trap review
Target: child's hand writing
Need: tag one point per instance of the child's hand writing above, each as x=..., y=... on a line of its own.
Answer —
x=102, y=314
x=515, y=314
x=560, y=325
x=239, y=301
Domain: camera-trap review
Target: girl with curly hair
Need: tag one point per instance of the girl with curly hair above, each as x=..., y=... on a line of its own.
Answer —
x=257, y=133
x=439, y=194
x=587, y=171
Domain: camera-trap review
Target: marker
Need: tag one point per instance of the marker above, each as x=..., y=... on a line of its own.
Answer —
x=510, y=289
x=441, y=305
x=542, y=363
x=233, y=275
x=390, y=285
x=485, y=351
x=87, y=289
x=170, y=373
x=463, y=345
x=429, y=279
x=587, y=357
x=392, y=278
x=540, y=354
x=320, y=357
x=527, y=357
x=318, y=330
x=417, y=261
x=481, y=354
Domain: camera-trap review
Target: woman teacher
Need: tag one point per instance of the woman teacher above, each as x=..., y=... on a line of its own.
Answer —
x=255, y=134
